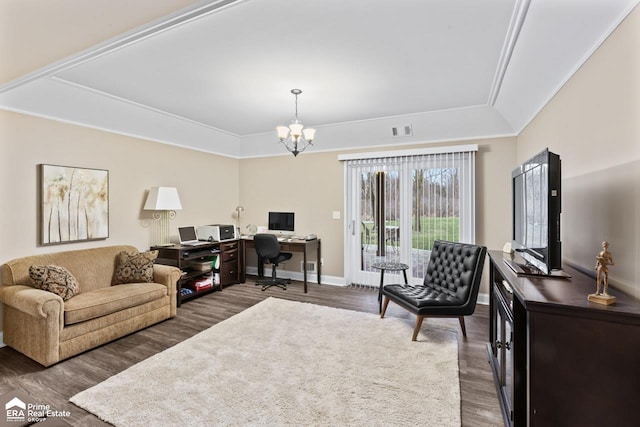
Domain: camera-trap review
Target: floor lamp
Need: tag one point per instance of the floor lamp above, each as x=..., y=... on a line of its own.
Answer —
x=165, y=202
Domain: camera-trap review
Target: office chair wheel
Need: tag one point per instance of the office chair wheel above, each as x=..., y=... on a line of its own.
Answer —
x=278, y=285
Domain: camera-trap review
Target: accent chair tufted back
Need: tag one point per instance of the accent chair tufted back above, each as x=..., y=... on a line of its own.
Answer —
x=450, y=287
x=452, y=271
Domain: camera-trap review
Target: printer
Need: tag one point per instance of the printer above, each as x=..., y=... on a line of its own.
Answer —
x=216, y=232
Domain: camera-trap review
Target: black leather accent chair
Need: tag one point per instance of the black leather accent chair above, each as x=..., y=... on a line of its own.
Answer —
x=268, y=248
x=450, y=287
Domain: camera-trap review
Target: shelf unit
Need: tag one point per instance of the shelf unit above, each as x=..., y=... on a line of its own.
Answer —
x=185, y=257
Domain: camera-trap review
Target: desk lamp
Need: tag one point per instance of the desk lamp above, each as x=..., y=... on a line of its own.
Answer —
x=238, y=210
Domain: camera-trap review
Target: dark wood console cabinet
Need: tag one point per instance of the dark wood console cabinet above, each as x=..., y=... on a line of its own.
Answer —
x=184, y=257
x=557, y=359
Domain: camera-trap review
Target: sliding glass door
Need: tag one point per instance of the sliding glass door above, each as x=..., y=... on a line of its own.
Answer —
x=376, y=232
x=398, y=205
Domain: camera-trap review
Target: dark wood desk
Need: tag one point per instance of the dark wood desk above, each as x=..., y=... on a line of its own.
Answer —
x=183, y=257
x=293, y=245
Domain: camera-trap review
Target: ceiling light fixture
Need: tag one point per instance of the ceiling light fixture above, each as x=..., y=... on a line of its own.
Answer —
x=295, y=137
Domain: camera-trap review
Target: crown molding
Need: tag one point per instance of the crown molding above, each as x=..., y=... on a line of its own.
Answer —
x=515, y=25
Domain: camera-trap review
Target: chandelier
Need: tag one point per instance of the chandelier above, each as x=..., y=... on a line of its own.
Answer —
x=295, y=137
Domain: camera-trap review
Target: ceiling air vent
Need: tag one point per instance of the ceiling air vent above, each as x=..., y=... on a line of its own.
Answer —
x=405, y=130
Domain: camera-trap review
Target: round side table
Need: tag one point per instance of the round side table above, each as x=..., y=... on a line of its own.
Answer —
x=390, y=266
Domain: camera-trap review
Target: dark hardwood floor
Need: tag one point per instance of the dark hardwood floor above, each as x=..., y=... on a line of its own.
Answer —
x=56, y=384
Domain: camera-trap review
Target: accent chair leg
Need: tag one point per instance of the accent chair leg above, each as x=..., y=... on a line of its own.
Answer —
x=384, y=306
x=419, y=320
x=464, y=329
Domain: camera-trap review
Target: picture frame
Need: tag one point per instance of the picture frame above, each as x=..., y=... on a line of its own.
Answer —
x=74, y=204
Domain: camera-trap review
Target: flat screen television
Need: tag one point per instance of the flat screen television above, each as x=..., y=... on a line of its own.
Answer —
x=536, y=213
x=282, y=222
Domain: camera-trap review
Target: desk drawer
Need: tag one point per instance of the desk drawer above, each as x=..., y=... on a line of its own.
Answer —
x=228, y=246
x=231, y=255
x=292, y=247
x=229, y=273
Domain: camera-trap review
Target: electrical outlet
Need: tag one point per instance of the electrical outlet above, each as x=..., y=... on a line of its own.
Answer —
x=335, y=215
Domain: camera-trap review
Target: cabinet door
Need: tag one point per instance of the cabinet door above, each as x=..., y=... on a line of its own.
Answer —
x=503, y=350
x=586, y=369
x=507, y=365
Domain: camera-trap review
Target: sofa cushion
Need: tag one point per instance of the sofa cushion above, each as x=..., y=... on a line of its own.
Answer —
x=54, y=278
x=134, y=267
x=104, y=301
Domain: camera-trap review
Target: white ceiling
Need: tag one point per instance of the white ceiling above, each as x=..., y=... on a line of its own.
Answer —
x=217, y=77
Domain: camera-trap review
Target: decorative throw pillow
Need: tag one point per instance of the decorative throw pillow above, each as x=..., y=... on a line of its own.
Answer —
x=54, y=278
x=134, y=267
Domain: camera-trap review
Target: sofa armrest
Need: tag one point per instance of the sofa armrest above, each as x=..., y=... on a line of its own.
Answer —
x=34, y=302
x=168, y=276
x=33, y=321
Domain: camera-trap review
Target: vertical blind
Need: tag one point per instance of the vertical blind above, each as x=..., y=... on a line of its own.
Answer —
x=425, y=195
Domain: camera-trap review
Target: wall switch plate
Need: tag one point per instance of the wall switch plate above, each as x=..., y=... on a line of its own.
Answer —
x=335, y=215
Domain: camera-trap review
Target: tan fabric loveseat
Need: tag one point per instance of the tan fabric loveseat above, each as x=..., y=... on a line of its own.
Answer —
x=47, y=329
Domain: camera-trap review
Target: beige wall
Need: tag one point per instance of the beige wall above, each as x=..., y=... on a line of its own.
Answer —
x=312, y=185
x=309, y=185
x=593, y=123
x=210, y=186
x=207, y=184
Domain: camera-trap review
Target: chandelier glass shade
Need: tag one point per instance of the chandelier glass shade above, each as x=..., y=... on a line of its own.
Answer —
x=295, y=137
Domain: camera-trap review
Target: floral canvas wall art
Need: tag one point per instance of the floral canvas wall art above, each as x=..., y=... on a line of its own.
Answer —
x=74, y=204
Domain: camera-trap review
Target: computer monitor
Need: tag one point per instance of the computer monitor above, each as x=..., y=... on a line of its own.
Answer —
x=282, y=222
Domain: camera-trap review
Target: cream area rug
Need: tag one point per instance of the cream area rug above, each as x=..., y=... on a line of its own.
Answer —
x=289, y=363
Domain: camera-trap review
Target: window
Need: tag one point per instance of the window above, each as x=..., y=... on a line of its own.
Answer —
x=398, y=203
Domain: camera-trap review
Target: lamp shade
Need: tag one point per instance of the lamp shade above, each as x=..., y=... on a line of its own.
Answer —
x=309, y=134
x=296, y=129
x=163, y=199
x=283, y=132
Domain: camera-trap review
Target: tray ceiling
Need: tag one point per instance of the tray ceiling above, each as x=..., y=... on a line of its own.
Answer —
x=219, y=73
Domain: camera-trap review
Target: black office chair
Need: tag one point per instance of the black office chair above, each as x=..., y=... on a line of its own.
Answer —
x=450, y=287
x=268, y=248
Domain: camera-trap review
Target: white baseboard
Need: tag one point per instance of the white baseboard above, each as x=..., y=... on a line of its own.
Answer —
x=295, y=275
x=483, y=299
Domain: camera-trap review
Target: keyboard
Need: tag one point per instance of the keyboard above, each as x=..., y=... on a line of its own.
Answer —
x=195, y=243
